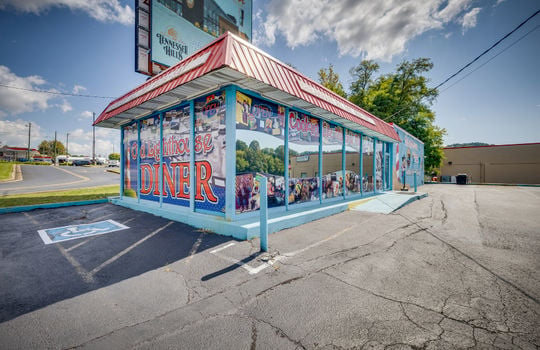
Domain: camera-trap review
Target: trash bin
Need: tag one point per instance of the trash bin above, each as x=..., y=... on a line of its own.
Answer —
x=461, y=179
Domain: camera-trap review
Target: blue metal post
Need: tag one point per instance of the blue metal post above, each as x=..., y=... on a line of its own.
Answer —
x=230, y=152
x=343, y=160
x=286, y=158
x=415, y=188
x=263, y=188
x=374, y=165
x=122, y=164
x=192, y=156
x=160, y=183
x=361, y=165
x=320, y=159
x=138, y=161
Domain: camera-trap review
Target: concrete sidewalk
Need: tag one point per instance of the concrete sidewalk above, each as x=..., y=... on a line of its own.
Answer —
x=386, y=203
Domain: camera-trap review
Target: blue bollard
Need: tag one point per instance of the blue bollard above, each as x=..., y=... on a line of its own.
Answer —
x=415, y=183
x=263, y=191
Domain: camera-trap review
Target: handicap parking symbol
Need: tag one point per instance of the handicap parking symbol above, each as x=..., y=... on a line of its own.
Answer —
x=66, y=233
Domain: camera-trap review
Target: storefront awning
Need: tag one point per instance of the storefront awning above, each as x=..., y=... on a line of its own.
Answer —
x=232, y=60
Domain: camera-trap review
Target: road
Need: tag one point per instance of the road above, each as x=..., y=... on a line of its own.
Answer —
x=458, y=269
x=38, y=178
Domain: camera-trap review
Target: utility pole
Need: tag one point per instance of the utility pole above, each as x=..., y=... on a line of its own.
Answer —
x=93, y=138
x=54, y=152
x=67, y=143
x=28, y=152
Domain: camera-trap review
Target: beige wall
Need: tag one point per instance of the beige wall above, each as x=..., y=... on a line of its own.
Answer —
x=517, y=164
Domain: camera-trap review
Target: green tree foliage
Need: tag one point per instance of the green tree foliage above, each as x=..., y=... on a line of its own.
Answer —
x=254, y=159
x=47, y=147
x=330, y=80
x=114, y=156
x=404, y=99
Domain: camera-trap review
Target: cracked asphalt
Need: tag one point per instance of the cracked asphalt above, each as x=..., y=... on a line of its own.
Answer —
x=458, y=269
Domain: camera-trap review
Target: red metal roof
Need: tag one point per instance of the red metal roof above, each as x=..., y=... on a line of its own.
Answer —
x=19, y=149
x=237, y=54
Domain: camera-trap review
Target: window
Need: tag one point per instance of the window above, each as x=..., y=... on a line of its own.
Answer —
x=332, y=180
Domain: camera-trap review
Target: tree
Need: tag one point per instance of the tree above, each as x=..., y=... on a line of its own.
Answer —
x=362, y=80
x=402, y=98
x=47, y=147
x=114, y=156
x=330, y=80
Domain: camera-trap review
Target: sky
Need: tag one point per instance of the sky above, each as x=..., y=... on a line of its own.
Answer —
x=87, y=47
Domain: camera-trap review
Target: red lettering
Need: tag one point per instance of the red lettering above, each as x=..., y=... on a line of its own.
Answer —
x=156, y=176
x=183, y=178
x=204, y=173
x=167, y=181
x=146, y=169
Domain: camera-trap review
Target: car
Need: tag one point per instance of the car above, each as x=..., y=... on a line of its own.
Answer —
x=114, y=163
x=80, y=162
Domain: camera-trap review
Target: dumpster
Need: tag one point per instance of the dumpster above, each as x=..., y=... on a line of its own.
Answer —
x=461, y=179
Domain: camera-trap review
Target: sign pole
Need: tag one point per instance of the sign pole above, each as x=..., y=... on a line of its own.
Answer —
x=263, y=190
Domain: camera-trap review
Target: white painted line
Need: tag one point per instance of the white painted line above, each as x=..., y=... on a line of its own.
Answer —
x=249, y=269
x=79, y=244
x=128, y=220
x=31, y=218
x=292, y=216
x=87, y=277
x=47, y=240
x=128, y=249
x=313, y=245
x=194, y=248
x=221, y=248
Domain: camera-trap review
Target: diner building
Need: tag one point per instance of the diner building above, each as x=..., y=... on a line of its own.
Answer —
x=195, y=136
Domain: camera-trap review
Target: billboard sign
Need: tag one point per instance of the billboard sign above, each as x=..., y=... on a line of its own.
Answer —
x=178, y=28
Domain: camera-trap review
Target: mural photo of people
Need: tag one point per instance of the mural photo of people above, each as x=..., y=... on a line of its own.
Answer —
x=352, y=161
x=259, y=149
x=332, y=180
x=131, y=177
x=304, y=158
x=210, y=152
x=379, y=165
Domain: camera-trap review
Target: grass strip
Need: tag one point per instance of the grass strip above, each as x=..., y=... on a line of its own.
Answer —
x=5, y=170
x=75, y=195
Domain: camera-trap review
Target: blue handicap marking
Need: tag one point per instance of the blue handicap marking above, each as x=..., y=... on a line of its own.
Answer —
x=66, y=233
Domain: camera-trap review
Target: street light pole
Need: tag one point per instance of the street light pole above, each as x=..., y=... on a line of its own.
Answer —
x=67, y=145
x=28, y=152
x=93, y=138
x=54, y=154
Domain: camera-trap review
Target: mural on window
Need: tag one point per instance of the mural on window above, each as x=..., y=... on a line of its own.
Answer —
x=150, y=153
x=367, y=164
x=210, y=152
x=409, y=159
x=176, y=141
x=379, y=165
x=303, y=158
x=332, y=180
x=352, y=162
x=259, y=149
x=131, y=180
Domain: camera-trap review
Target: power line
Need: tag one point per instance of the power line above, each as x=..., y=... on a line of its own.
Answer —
x=55, y=92
x=487, y=50
x=483, y=64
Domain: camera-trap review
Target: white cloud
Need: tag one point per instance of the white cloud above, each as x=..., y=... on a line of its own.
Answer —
x=374, y=29
x=84, y=115
x=65, y=106
x=15, y=133
x=101, y=10
x=18, y=99
x=77, y=89
x=469, y=19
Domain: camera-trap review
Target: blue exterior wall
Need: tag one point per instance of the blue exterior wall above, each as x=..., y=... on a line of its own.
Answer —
x=408, y=156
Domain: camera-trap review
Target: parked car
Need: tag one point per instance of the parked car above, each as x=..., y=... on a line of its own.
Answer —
x=114, y=163
x=80, y=162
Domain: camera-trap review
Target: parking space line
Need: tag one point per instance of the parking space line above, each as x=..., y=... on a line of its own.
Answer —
x=96, y=208
x=128, y=220
x=87, y=277
x=34, y=221
x=221, y=248
x=194, y=248
x=79, y=244
x=128, y=249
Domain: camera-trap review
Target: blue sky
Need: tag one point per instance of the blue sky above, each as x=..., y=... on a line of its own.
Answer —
x=87, y=47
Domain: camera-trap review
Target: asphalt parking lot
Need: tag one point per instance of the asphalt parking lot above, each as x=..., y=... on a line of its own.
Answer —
x=458, y=269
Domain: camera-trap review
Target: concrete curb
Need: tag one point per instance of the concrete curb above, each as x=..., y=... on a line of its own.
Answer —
x=16, y=175
x=24, y=208
x=412, y=199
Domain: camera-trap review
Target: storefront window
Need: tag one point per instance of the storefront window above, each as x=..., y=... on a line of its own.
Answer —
x=352, y=162
x=332, y=179
x=210, y=152
x=259, y=149
x=367, y=166
x=150, y=153
x=131, y=180
x=176, y=144
x=379, y=165
x=303, y=158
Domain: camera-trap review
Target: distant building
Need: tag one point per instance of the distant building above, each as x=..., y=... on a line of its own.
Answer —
x=8, y=153
x=514, y=164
